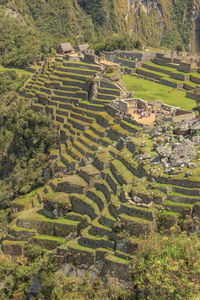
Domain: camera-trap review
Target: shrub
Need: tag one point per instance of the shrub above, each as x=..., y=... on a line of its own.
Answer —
x=167, y=267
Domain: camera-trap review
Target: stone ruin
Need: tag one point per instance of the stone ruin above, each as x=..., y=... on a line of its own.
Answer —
x=176, y=114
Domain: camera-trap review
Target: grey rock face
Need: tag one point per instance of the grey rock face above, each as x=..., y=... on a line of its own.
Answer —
x=183, y=153
x=192, y=165
x=188, y=174
x=196, y=140
x=182, y=128
x=164, y=151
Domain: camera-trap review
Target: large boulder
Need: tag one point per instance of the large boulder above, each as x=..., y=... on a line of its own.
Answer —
x=196, y=140
x=164, y=151
x=182, y=128
x=183, y=153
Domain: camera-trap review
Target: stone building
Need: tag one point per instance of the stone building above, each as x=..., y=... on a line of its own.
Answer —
x=65, y=48
x=83, y=48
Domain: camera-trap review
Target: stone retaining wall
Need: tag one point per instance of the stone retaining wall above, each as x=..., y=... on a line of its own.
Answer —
x=12, y=249
x=136, y=228
x=76, y=71
x=107, y=222
x=45, y=243
x=103, y=188
x=178, y=76
x=156, y=69
x=114, y=186
x=178, y=182
x=22, y=235
x=149, y=74
x=117, y=269
x=92, y=107
x=128, y=63
x=82, y=66
x=193, y=96
x=136, y=212
x=136, y=55
x=109, y=91
x=83, y=208
x=47, y=227
x=188, y=192
x=80, y=257
x=108, y=85
x=96, y=243
x=188, y=87
x=96, y=199
x=175, y=85
x=195, y=79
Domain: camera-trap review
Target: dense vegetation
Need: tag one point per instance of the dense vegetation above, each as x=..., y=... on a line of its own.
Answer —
x=26, y=139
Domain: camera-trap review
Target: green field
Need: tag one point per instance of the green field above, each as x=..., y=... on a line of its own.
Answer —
x=151, y=91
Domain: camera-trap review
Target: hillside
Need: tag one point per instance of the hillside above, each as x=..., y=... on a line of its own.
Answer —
x=112, y=187
x=154, y=23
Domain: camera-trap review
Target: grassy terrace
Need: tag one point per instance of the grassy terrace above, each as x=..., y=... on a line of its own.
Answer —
x=151, y=91
x=20, y=72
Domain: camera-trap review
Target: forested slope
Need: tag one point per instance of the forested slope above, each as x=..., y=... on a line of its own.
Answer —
x=31, y=29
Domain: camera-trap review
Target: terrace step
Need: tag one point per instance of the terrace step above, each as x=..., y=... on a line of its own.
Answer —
x=90, y=174
x=102, y=230
x=76, y=70
x=89, y=240
x=62, y=112
x=137, y=212
x=183, y=199
x=71, y=75
x=110, y=179
x=98, y=130
x=75, y=154
x=74, y=216
x=20, y=233
x=88, y=143
x=109, y=91
x=69, y=161
x=101, y=101
x=178, y=207
x=82, y=118
x=89, y=134
x=98, y=197
x=48, y=242
x=186, y=191
x=82, y=149
x=12, y=248
x=69, y=88
x=61, y=167
x=123, y=255
x=102, y=186
x=106, y=97
x=82, y=66
x=121, y=172
x=137, y=226
x=35, y=219
x=92, y=107
x=85, y=206
x=80, y=125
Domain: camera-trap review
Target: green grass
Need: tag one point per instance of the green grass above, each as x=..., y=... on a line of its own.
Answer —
x=25, y=200
x=151, y=91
